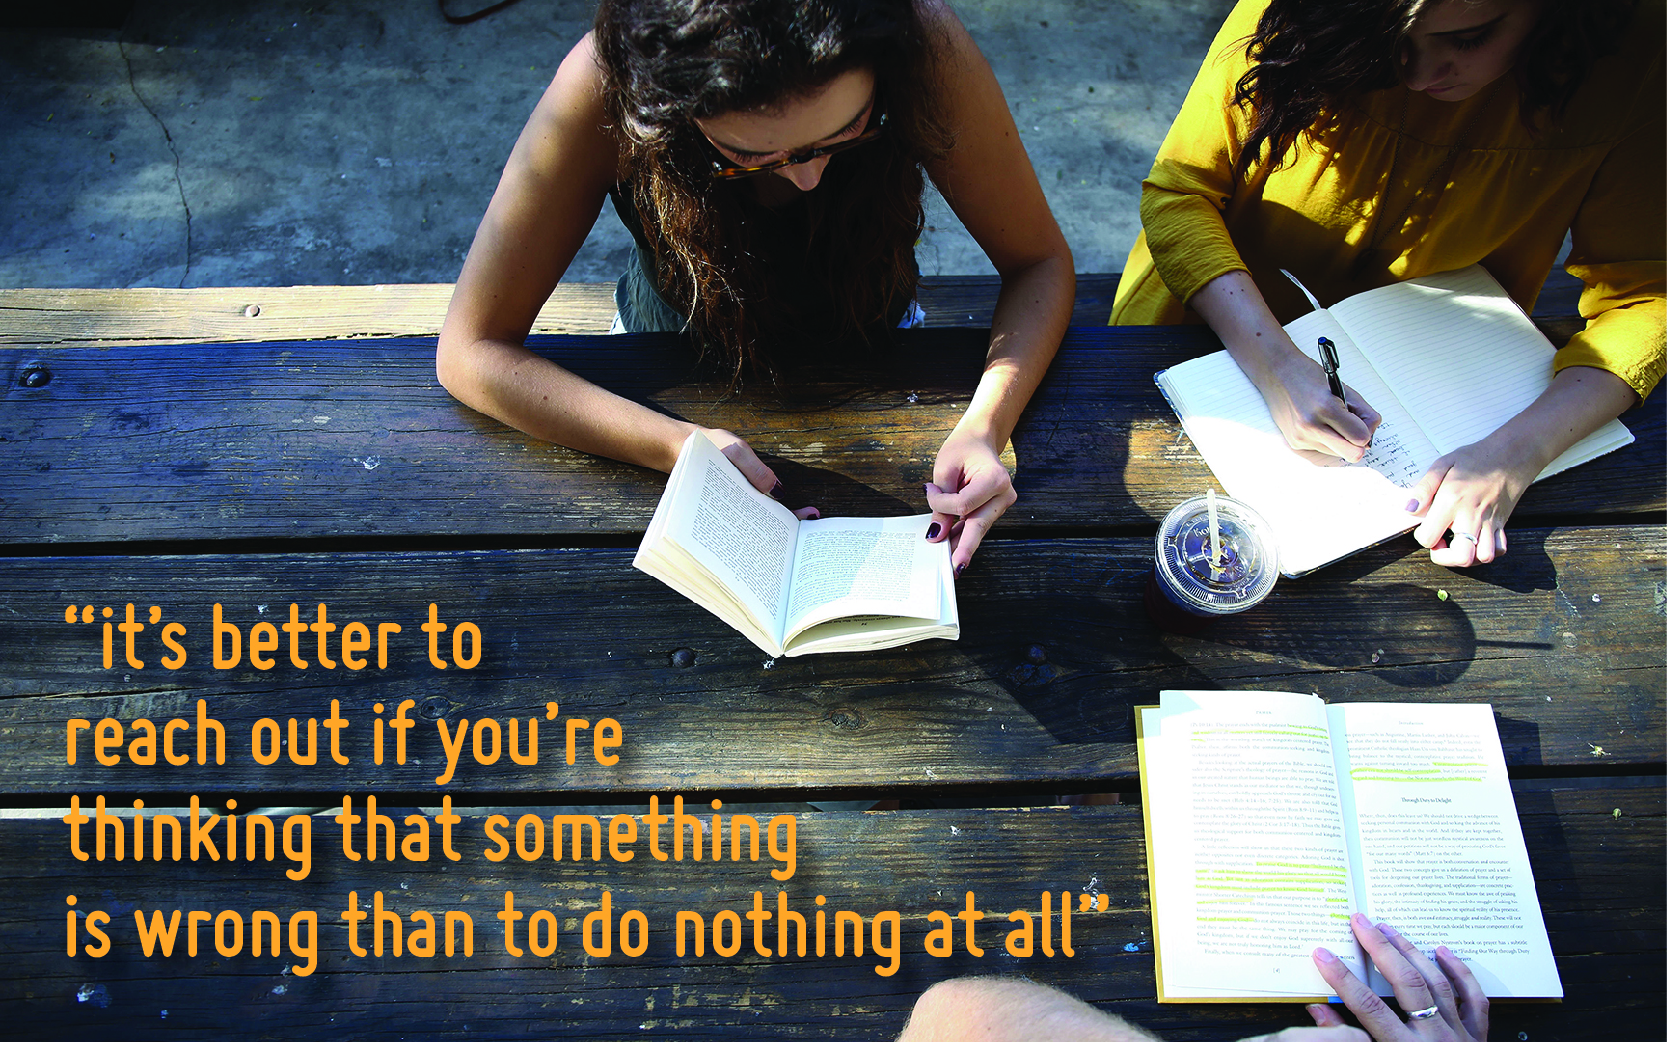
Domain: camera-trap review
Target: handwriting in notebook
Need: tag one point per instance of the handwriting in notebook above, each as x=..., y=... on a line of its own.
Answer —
x=1391, y=456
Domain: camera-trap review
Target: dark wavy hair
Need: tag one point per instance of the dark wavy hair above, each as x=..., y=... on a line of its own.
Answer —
x=667, y=63
x=1310, y=57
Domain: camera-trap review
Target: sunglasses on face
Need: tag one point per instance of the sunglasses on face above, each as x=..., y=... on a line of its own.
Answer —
x=724, y=170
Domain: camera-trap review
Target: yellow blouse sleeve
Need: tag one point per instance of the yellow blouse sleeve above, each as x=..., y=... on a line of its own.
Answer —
x=1192, y=181
x=1618, y=252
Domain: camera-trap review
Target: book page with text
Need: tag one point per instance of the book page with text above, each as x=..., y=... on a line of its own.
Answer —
x=1250, y=871
x=864, y=566
x=1440, y=851
x=1461, y=356
x=745, y=538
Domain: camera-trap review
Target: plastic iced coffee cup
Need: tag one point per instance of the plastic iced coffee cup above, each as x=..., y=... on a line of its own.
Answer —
x=1197, y=578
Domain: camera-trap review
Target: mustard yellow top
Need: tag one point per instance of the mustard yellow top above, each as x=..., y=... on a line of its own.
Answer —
x=1508, y=199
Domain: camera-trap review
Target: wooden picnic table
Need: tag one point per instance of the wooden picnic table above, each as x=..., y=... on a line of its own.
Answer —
x=297, y=450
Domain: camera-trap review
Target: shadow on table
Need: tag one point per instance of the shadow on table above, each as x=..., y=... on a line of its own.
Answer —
x=1525, y=568
x=1077, y=652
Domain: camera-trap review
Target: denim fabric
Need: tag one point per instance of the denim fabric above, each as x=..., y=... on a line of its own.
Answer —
x=641, y=308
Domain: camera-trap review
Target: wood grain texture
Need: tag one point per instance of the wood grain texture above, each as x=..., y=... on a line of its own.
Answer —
x=304, y=440
x=1563, y=637
x=131, y=317
x=43, y=318
x=1599, y=876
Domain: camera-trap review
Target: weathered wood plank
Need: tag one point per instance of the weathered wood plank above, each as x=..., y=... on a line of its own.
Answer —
x=131, y=317
x=43, y=318
x=321, y=439
x=1563, y=637
x=1599, y=875
x=40, y=318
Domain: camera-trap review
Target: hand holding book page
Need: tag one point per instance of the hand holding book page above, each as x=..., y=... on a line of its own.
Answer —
x=1442, y=998
x=794, y=587
x=1271, y=818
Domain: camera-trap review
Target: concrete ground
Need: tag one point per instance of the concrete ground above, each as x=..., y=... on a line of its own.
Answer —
x=303, y=142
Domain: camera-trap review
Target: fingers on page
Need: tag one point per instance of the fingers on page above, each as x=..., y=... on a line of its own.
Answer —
x=1446, y=998
x=1473, y=1002
x=1373, y=1012
x=747, y=462
x=1411, y=990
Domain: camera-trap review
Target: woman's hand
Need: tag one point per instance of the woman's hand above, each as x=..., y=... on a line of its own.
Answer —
x=1442, y=997
x=970, y=489
x=738, y=452
x=1314, y=421
x=1470, y=492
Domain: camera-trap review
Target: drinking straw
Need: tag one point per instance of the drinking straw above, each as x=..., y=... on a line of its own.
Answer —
x=1215, y=536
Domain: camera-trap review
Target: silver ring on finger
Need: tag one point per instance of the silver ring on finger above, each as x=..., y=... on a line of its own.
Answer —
x=1463, y=535
x=1423, y=1014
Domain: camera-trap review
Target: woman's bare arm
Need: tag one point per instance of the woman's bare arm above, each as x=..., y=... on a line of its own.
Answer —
x=1292, y=384
x=551, y=191
x=988, y=180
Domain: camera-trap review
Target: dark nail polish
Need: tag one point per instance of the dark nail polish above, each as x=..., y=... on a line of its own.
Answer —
x=959, y=569
x=933, y=529
x=776, y=490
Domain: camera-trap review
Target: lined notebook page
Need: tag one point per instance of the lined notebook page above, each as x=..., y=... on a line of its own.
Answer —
x=1317, y=513
x=1399, y=450
x=1461, y=357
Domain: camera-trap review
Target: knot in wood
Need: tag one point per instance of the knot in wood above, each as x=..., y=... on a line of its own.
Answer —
x=434, y=707
x=1036, y=654
x=252, y=311
x=34, y=376
x=682, y=658
x=845, y=718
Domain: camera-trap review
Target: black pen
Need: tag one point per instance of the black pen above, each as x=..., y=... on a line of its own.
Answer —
x=1328, y=362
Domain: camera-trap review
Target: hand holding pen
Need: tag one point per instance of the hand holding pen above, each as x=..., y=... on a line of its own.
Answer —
x=1356, y=407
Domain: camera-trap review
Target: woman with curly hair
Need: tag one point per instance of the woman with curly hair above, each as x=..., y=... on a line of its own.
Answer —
x=1363, y=142
x=768, y=157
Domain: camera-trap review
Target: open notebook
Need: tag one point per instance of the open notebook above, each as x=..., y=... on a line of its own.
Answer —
x=1446, y=359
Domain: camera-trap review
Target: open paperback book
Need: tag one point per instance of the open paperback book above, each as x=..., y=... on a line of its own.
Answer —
x=1446, y=359
x=795, y=587
x=1272, y=817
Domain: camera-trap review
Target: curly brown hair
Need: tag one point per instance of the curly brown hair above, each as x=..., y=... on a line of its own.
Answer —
x=667, y=63
x=1310, y=57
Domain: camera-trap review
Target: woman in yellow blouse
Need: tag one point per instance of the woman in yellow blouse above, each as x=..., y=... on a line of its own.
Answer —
x=1364, y=142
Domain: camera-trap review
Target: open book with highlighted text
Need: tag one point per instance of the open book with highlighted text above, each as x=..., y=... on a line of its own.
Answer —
x=1271, y=817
